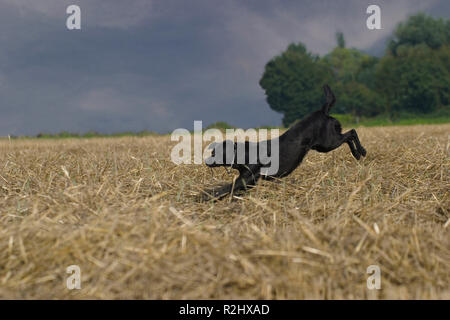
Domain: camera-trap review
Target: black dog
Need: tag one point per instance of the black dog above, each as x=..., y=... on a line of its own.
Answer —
x=318, y=131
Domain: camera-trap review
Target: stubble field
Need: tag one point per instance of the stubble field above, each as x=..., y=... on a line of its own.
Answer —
x=127, y=216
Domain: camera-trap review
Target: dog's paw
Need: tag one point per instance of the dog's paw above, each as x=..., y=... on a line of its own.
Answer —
x=363, y=151
x=203, y=197
x=212, y=194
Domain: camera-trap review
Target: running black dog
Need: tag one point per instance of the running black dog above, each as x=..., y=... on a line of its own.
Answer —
x=318, y=131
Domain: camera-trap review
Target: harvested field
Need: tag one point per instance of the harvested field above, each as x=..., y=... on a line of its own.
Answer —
x=126, y=215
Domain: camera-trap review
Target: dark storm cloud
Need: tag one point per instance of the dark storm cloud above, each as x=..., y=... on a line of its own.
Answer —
x=159, y=65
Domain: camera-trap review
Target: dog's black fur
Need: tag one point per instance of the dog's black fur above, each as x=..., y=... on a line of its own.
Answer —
x=318, y=131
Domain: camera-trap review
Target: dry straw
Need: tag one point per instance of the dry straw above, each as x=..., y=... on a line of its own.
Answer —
x=123, y=212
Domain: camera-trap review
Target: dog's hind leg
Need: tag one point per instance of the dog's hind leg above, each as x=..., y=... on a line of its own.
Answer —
x=359, y=147
x=334, y=141
x=355, y=152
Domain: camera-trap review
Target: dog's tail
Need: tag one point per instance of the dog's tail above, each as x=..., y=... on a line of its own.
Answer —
x=330, y=99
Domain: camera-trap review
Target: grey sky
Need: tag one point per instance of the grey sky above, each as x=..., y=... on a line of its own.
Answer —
x=160, y=65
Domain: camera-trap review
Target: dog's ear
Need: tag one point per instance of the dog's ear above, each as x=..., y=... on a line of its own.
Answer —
x=330, y=99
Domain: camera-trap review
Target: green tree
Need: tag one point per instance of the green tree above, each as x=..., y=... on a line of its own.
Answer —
x=356, y=99
x=416, y=79
x=293, y=82
x=340, y=39
x=420, y=29
x=345, y=63
x=354, y=84
x=414, y=75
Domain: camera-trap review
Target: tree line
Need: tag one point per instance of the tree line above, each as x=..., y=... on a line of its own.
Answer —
x=413, y=76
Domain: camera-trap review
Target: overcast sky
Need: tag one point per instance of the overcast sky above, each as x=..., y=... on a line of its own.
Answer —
x=159, y=65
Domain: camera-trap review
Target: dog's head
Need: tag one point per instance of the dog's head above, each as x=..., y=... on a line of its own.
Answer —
x=222, y=154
